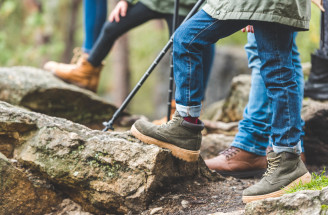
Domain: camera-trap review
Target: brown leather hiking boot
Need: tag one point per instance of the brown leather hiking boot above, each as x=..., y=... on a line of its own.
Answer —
x=238, y=163
x=83, y=75
x=164, y=119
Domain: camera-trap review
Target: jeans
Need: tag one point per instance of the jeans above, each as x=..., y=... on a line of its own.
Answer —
x=274, y=43
x=136, y=15
x=255, y=127
x=94, y=16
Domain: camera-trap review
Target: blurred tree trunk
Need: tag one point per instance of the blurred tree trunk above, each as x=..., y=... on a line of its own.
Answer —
x=121, y=67
x=71, y=29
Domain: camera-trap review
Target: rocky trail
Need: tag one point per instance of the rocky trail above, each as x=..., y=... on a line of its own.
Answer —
x=54, y=161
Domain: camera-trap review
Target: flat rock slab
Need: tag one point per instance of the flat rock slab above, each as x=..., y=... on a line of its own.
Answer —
x=299, y=203
x=18, y=195
x=42, y=92
x=104, y=172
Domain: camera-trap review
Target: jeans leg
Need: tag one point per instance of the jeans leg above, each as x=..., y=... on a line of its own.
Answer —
x=136, y=15
x=207, y=54
x=255, y=127
x=94, y=16
x=189, y=41
x=275, y=43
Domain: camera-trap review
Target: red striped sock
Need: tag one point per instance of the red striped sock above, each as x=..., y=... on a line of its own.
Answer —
x=190, y=119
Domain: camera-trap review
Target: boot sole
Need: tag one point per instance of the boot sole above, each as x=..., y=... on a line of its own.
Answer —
x=183, y=154
x=306, y=178
x=75, y=83
x=243, y=174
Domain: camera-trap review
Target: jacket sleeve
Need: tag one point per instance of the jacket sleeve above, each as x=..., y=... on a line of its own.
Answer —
x=132, y=1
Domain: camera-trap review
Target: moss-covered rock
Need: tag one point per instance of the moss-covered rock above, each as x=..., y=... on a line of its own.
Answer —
x=104, y=172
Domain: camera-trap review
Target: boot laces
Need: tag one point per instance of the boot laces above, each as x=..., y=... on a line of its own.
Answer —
x=169, y=123
x=77, y=54
x=273, y=163
x=230, y=152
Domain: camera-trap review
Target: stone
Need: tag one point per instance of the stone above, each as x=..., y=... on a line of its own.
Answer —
x=103, y=172
x=213, y=144
x=185, y=203
x=19, y=195
x=239, y=212
x=232, y=107
x=315, y=115
x=302, y=202
x=68, y=207
x=156, y=210
x=42, y=92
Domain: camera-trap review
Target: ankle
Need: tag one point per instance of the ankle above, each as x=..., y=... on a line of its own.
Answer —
x=190, y=119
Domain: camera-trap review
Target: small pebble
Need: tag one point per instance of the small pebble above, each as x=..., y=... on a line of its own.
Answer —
x=155, y=210
x=184, y=203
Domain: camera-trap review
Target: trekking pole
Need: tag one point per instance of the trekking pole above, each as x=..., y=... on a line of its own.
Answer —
x=174, y=27
x=109, y=124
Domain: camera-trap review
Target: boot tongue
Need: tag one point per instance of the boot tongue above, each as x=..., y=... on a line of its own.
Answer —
x=272, y=154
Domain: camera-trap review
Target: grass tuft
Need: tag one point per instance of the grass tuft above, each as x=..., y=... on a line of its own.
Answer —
x=318, y=182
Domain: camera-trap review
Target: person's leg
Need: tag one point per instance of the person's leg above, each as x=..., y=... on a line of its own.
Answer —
x=87, y=72
x=180, y=135
x=285, y=167
x=94, y=17
x=136, y=15
x=246, y=156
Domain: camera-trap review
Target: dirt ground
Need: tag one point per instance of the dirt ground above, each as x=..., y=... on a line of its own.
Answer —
x=194, y=197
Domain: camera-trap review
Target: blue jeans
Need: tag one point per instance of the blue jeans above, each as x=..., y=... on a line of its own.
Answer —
x=274, y=43
x=255, y=127
x=94, y=16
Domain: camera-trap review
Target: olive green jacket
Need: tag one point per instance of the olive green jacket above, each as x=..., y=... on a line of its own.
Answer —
x=167, y=6
x=294, y=13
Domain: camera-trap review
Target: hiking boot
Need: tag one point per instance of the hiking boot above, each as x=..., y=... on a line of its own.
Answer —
x=83, y=75
x=164, y=119
x=76, y=60
x=284, y=171
x=181, y=137
x=303, y=158
x=238, y=163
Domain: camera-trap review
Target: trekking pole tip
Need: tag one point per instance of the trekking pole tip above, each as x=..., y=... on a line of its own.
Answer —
x=108, y=125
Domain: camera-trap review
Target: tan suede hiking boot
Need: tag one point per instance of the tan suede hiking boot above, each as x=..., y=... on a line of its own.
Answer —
x=164, y=119
x=83, y=75
x=76, y=60
x=238, y=163
x=285, y=170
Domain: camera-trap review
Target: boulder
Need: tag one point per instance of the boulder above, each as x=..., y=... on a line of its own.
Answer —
x=232, y=107
x=315, y=115
x=299, y=203
x=19, y=195
x=42, y=92
x=103, y=172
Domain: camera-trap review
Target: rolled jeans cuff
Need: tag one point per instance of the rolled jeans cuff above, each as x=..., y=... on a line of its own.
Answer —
x=295, y=149
x=185, y=111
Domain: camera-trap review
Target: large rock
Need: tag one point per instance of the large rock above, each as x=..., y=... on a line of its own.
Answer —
x=42, y=92
x=19, y=195
x=231, y=108
x=299, y=203
x=104, y=172
x=315, y=115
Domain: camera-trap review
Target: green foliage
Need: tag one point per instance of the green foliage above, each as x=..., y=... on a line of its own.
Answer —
x=317, y=183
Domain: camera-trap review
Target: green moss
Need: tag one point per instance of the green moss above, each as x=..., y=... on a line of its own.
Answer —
x=324, y=207
x=317, y=183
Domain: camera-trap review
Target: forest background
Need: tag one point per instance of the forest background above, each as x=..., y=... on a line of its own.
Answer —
x=33, y=32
